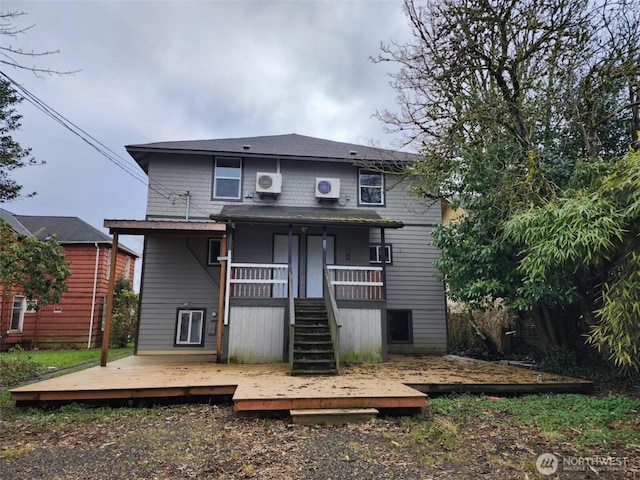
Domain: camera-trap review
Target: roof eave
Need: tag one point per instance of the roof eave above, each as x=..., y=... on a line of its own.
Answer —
x=345, y=222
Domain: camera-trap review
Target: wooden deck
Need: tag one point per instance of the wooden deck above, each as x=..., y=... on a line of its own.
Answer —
x=398, y=384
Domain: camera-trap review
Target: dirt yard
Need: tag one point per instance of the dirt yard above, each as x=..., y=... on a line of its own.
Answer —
x=211, y=442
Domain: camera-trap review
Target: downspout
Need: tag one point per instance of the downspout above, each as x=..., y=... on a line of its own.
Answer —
x=93, y=298
x=188, y=205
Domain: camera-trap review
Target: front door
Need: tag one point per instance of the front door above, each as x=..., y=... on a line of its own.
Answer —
x=281, y=255
x=314, y=263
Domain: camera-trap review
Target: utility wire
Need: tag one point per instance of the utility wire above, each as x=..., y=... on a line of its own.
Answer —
x=115, y=158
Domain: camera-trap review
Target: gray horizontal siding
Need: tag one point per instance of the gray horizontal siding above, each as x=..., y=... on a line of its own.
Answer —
x=413, y=284
x=172, y=278
x=411, y=280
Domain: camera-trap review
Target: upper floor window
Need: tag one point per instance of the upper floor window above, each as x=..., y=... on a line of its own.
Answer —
x=370, y=188
x=227, y=178
x=17, y=314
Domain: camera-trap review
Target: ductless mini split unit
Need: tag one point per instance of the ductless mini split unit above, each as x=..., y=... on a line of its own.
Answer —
x=268, y=183
x=327, y=188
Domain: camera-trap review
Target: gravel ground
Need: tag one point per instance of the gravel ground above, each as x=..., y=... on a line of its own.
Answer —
x=211, y=442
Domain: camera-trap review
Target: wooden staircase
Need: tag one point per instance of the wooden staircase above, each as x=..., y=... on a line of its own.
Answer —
x=312, y=346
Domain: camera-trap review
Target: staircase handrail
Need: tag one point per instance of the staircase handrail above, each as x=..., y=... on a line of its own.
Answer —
x=292, y=316
x=332, y=315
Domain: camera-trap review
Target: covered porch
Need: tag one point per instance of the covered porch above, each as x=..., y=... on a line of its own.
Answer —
x=263, y=260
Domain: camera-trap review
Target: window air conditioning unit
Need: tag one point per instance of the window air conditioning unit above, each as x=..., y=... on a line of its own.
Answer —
x=267, y=182
x=328, y=188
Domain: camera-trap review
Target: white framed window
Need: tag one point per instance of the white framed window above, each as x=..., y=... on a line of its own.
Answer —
x=227, y=178
x=17, y=314
x=108, y=273
x=190, y=328
x=127, y=267
x=213, y=251
x=32, y=306
x=370, y=188
x=375, y=254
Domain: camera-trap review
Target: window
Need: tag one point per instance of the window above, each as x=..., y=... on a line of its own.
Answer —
x=127, y=267
x=108, y=265
x=399, y=326
x=375, y=254
x=370, y=188
x=17, y=314
x=214, y=252
x=32, y=306
x=227, y=178
x=189, y=329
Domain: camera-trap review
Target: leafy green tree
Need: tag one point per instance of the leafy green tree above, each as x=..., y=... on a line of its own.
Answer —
x=12, y=155
x=583, y=250
x=37, y=269
x=125, y=314
x=507, y=101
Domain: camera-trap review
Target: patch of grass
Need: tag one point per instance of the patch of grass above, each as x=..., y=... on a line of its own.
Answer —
x=65, y=358
x=586, y=422
x=14, y=453
x=18, y=369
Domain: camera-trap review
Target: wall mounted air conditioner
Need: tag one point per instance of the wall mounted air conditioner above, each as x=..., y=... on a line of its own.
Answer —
x=268, y=182
x=328, y=188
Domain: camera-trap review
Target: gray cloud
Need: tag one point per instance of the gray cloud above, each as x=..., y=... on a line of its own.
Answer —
x=156, y=71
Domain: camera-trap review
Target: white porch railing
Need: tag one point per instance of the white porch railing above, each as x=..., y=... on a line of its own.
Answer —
x=356, y=283
x=264, y=280
x=260, y=280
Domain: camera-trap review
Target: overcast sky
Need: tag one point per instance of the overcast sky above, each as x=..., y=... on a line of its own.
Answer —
x=160, y=71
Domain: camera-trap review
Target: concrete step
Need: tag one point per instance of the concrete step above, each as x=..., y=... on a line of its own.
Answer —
x=332, y=416
x=301, y=372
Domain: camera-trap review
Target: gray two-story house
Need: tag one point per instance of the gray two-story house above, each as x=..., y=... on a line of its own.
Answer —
x=240, y=233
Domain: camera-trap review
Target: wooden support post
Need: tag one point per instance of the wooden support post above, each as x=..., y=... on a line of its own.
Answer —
x=383, y=259
x=221, y=288
x=109, y=313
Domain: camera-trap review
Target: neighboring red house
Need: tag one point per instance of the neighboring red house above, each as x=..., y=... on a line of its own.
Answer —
x=76, y=321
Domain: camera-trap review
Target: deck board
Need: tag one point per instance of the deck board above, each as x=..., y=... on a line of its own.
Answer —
x=400, y=383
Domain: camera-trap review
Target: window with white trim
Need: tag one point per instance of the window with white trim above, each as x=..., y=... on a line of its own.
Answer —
x=190, y=328
x=127, y=267
x=370, y=188
x=375, y=254
x=17, y=314
x=214, y=251
x=227, y=178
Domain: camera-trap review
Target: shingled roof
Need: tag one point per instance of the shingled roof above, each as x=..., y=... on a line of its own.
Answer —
x=67, y=230
x=292, y=146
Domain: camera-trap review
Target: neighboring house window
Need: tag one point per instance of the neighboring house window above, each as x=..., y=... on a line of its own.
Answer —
x=127, y=267
x=214, y=251
x=17, y=314
x=108, y=265
x=399, y=326
x=370, y=188
x=190, y=327
x=375, y=254
x=227, y=178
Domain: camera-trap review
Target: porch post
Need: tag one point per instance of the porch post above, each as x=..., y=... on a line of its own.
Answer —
x=324, y=247
x=383, y=259
x=221, y=289
x=290, y=252
x=109, y=313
